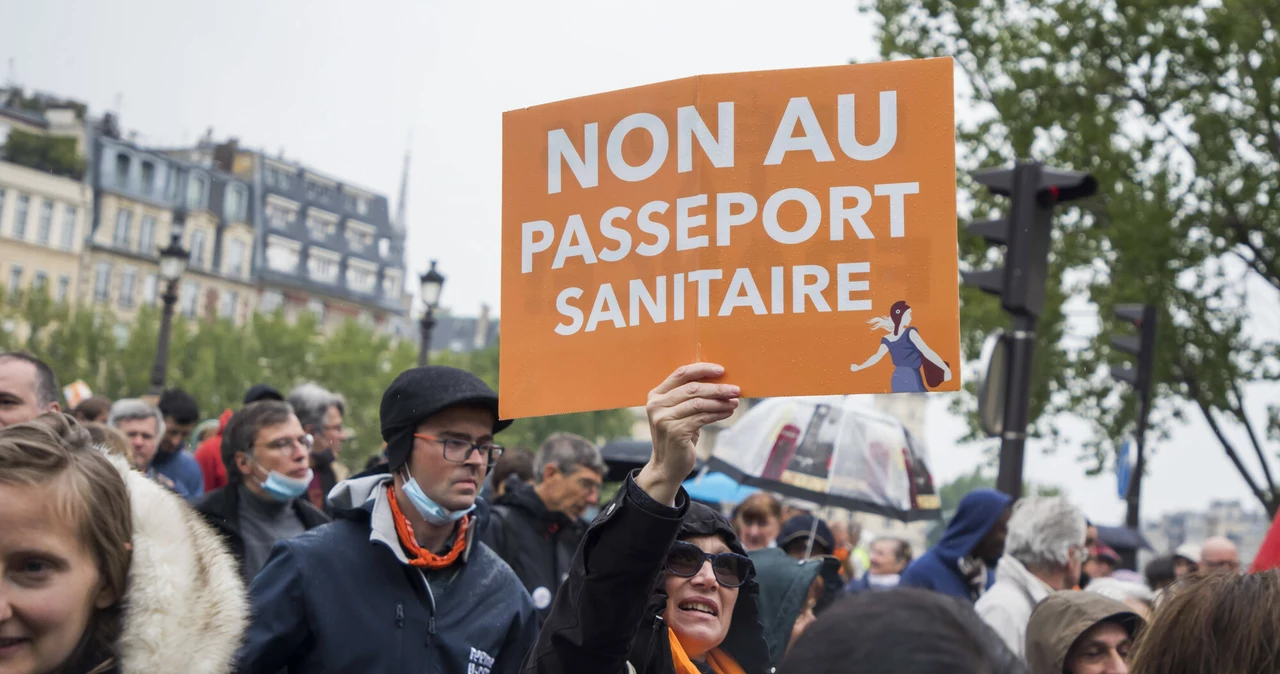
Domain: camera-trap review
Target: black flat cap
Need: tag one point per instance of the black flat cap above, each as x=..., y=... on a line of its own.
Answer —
x=261, y=392
x=422, y=392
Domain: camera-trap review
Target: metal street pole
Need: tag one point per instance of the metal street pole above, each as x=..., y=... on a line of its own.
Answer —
x=425, y=325
x=161, y=365
x=1017, y=406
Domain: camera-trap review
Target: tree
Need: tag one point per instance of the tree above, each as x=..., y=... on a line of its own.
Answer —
x=1173, y=105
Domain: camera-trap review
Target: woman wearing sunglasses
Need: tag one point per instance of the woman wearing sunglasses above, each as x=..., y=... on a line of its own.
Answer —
x=660, y=585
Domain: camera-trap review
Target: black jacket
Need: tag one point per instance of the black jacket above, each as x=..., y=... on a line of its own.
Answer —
x=608, y=614
x=221, y=509
x=538, y=544
x=342, y=598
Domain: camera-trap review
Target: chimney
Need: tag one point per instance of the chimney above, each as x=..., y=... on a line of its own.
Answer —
x=224, y=154
x=482, y=327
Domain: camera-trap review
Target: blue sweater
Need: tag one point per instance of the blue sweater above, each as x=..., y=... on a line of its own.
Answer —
x=937, y=569
x=182, y=468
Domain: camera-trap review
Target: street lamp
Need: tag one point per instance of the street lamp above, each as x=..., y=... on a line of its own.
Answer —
x=173, y=262
x=432, y=283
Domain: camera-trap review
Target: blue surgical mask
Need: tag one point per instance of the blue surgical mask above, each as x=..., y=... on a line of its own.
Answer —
x=431, y=511
x=284, y=488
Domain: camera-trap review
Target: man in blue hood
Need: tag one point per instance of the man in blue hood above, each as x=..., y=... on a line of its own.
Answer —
x=963, y=563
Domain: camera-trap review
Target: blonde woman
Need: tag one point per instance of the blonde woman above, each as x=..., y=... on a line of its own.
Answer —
x=906, y=348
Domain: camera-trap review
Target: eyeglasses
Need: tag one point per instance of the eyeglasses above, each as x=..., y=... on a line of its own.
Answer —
x=731, y=569
x=284, y=444
x=459, y=450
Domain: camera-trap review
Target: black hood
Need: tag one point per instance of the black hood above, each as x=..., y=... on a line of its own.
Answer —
x=525, y=497
x=745, y=641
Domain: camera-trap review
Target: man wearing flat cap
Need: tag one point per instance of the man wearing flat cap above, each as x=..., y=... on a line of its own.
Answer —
x=400, y=581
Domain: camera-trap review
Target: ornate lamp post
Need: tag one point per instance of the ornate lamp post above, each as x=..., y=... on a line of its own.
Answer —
x=432, y=283
x=173, y=262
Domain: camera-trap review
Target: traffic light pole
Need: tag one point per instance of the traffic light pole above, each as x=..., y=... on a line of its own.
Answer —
x=1017, y=406
x=1143, y=384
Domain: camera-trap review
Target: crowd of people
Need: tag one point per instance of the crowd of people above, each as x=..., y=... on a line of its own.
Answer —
x=124, y=550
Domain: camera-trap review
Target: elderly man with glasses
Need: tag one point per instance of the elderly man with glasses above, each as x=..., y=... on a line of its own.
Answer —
x=267, y=457
x=400, y=581
x=1045, y=552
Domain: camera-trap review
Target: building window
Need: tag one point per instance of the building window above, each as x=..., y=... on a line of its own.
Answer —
x=171, y=190
x=69, y=214
x=279, y=216
x=64, y=289
x=356, y=203
x=360, y=278
x=124, y=222
x=359, y=236
x=196, y=192
x=148, y=178
x=384, y=247
x=15, y=280
x=316, y=307
x=122, y=170
x=128, y=278
x=319, y=192
x=41, y=282
x=270, y=301
x=279, y=179
x=190, y=294
x=102, y=282
x=234, y=209
x=20, y=216
x=45, y=228
x=235, y=258
x=322, y=265
x=282, y=254
x=391, y=285
x=197, y=249
x=147, y=235
x=149, y=285
x=322, y=226
x=227, y=304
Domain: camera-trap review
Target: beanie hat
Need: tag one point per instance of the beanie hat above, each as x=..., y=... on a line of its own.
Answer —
x=422, y=392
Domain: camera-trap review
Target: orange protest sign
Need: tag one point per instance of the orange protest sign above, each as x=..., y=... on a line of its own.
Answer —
x=796, y=226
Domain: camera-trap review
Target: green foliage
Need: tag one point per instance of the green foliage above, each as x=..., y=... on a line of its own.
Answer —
x=54, y=154
x=1173, y=106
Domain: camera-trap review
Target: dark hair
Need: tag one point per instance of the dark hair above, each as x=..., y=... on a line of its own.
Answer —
x=758, y=506
x=882, y=633
x=516, y=461
x=902, y=550
x=896, y=312
x=91, y=408
x=179, y=406
x=1159, y=572
x=374, y=461
x=1219, y=622
x=242, y=429
x=46, y=383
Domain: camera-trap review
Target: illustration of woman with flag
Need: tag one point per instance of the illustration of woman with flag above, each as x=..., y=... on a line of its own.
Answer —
x=908, y=351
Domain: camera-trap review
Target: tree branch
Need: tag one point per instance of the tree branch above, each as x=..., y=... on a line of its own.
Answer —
x=1265, y=265
x=1253, y=436
x=1193, y=386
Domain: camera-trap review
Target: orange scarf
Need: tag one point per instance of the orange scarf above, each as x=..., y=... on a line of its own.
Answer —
x=418, y=556
x=718, y=659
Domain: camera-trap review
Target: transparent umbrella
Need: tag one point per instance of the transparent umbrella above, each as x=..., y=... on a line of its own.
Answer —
x=832, y=451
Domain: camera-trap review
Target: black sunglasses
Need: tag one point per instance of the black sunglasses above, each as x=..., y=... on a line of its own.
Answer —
x=730, y=568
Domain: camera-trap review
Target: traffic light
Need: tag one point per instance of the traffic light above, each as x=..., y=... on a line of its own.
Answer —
x=1141, y=346
x=1033, y=190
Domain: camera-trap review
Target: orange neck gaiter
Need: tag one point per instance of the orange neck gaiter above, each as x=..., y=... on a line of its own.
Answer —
x=417, y=556
x=718, y=659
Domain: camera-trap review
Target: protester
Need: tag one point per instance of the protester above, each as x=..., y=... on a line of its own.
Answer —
x=399, y=581
x=1215, y=622
x=204, y=430
x=963, y=563
x=901, y=631
x=513, y=469
x=1080, y=633
x=1138, y=597
x=794, y=541
x=267, y=457
x=209, y=453
x=321, y=412
x=93, y=409
x=171, y=459
x=1160, y=573
x=143, y=425
x=104, y=571
x=111, y=440
x=659, y=582
x=1219, y=554
x=1103, y=561
x=889, y=557
x=793, y=507
x=845, y=536
x=27, y=388
x=789, y=594
x=757, y=521
x=536, y=529
x=1186, y=559
x=1044, y=552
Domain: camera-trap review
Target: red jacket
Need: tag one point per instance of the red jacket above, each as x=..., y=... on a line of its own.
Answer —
x=209, y=456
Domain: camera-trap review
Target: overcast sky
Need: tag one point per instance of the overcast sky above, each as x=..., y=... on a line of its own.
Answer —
x=342, y=87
